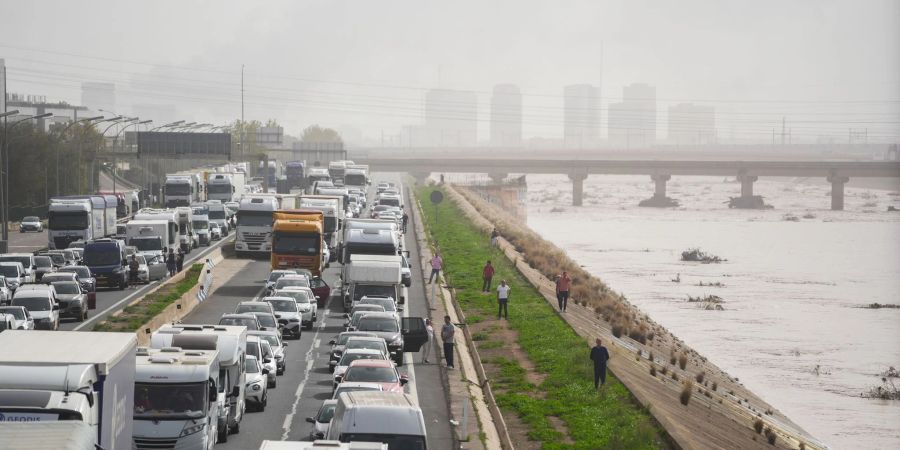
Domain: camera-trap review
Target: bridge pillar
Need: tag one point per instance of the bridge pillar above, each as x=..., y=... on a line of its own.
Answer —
x=577, y=188
x=747, y=185
x=837, y=191
x=497, y=178
x=660, y=180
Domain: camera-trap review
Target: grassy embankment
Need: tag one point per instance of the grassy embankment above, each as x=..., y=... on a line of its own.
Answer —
x=133, y=316
x=608, y=419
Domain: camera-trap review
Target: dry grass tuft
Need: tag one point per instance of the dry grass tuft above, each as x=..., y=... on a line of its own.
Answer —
x=682, y=361
x=758, y=426
x=652, y=370
x=700, y=376
x=686, y=392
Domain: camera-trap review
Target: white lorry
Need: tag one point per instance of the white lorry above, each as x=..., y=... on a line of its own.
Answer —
x=167, y=215
x=390, y=418
x=175, y=398
x=70, y=220
x=83, y=376
x=186, y=237
x=225, y=186
x=149, y=236
x=65, y=435
x=254, y=224
x=231, y=344
x=372, y=275
x=180, y=190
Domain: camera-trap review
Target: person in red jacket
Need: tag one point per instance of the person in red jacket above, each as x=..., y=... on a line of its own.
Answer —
x=563, y=283
x=487, y=274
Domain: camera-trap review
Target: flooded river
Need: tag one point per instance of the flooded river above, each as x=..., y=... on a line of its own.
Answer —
x=794, y=328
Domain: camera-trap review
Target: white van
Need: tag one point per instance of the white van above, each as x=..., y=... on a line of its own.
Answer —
x=390, y=418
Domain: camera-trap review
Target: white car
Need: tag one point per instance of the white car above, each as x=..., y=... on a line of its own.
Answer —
x=256, y=392
x=355, y=386
x=306, y=303
x=31, y=223
x=42, y=306
x=215, y=231
x=322, y=420
x=21, y=315
x=7, y=322
x=274, y=276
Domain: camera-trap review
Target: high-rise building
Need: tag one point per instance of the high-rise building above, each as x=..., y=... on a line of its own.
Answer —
x=632, y=122
x=451, y=118
x=691, y=124
x=98, y=96
x=581, y=105
x=506, y=116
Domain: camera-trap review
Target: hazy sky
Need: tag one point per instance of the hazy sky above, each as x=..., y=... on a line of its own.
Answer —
x=825, y=64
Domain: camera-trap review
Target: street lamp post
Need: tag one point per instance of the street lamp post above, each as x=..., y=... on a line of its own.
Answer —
x=129, y=123
x=5, y=157
x=62, y=135
x=115, y=121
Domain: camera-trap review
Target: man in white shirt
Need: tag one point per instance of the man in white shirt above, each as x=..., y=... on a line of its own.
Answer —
x=426, y=350
x=503, y=300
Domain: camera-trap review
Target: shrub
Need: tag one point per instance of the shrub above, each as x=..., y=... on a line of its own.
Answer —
x=664, y=370
x=617, y=330
x=674, y=375
x=652, y=370
x=771, y=437
x=682, y=361
x=700, y=376
x=715, y=386
x=686, y=391
x=758, y=426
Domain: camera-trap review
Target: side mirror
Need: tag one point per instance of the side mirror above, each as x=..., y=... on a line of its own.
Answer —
x=212, y=390
x=284, y=344
x=236, y=392
x=310, y=420
x=320, y=435
x=332, y=342
x=403, y=380
x=265, y=371
x=267, y=360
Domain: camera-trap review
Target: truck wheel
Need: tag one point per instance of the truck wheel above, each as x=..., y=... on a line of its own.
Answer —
x=222, y=434
x=236, y=428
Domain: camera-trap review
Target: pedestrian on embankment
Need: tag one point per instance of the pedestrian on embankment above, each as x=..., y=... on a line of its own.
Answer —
x=600, y=356
x=563, y=284
x=437, y=263
x=503, y=300
x=447, y=334
x=170, y=262
x=429, y=332
x=487, y=274
x=179, y=260
x=494, y=236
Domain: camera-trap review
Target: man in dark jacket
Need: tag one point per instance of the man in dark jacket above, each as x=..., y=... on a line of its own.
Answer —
x=600, y=356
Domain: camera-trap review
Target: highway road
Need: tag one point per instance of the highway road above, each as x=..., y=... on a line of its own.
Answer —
x=307, y=381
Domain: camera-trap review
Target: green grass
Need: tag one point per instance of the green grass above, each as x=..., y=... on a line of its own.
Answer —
x=134, y=316
x=608, y=419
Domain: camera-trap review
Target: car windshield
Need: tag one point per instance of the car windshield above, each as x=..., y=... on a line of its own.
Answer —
x=66, y=287
x=9, y=271
x=342, y=338
x=18, y=313
x=299, y=296
x=385, y=303
x=296, y=243
x=169, y=401
x=348, y=358
x=326, y=412
x=43, y=261
x=378, y=324
x=285, y=282
x=31, y=219
x=82, y=272
x=283, y=305
x=271, y=339
x=274, y=276
x=372, y=345
x=68, y=220
x=107, y=256
x=240, y=322
x=254, y=218
x=253, y=349
x=57, y=258
x=267, y=320
x=244, y=308
x=250, y=366
x=33, y=303
x=371, y=374
x=25, y=260
x=145, y=244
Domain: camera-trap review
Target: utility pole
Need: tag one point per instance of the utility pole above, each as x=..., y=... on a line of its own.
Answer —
x=243, y=125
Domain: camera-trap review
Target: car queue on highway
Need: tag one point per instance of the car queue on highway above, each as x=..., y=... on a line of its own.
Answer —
x=329, y=243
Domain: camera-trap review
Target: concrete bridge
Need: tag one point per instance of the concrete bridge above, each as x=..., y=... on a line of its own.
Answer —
x=838, y=173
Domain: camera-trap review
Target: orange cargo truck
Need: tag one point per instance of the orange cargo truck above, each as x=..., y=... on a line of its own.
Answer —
x=298, y=240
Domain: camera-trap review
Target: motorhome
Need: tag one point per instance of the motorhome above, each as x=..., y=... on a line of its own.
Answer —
x=167, y=215
x=186, y=237
x=200, y=224
x=219, y=214
x=231, y=344
x=298, y=240
x=254, y=224
x=225, y=186
x=175, y=398
x=372, y=275
x=369, y=241
x=85, y=376
x=151, y=237
x=390, y=418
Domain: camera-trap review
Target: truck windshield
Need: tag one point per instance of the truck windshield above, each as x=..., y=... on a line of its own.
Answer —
x=68, y=220
x=254, y=218
x=394, y=441
x=169, y=401
x=146, y=244
x=296, y=243
x=201, y=224
x=217, y=214
x=218, y=188
x=107, y=256
x=361, y=290
x=355, y=180
x=178, y=189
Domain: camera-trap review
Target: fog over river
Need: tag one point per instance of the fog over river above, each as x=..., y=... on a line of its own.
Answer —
x=793, y=327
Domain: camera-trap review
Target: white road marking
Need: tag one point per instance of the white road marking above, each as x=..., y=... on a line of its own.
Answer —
x=310, y=361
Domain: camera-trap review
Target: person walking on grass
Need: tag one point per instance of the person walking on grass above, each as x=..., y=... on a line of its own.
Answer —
x=494, y=235
x=429, y=331
x=437, y=263
x=487, y=274
x=503, y=300
x=563, y=283
x=599, y=355
x=447, y=334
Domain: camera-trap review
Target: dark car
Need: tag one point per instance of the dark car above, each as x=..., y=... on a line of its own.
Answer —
x=43, y=265
x=106, y=259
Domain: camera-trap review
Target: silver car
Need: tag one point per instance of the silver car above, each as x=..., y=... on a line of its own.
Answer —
x=278, y=346
x=71, y=299
x=21, y=316
x=322, y=420
x=287, y=313
x=256, y=392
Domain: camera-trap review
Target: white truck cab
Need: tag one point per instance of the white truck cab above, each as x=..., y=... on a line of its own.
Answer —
x=254, y=224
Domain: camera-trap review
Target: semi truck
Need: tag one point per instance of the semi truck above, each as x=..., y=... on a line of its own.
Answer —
x=298, y=240
x=254, y=224
x=372, y=275
x=231, y=344
x=70, y=220
x=175, y=398
x=48, y=376
x=225, y=186
x=295, y=173
x=180, y=190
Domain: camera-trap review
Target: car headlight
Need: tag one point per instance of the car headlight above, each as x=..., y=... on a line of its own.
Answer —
x=192, y=429
x=398, y=341
x=254, y=386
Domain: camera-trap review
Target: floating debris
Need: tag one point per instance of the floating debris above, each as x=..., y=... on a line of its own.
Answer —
x=697, y=255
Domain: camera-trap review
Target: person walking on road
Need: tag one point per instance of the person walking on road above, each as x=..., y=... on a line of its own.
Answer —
x=405, y=220
x=447, y=334
x=503, y=300
x=563, y=283
x=437, y=263
x=599, y=355
x=179, y=260
x=170, y=262
x=487, y=274
x=429, y=331
x=133, y=268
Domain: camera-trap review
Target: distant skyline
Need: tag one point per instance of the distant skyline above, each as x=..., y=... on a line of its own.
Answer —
x=828, y=66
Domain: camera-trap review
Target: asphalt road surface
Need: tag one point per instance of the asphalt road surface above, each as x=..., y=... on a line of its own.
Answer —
x=26, y=242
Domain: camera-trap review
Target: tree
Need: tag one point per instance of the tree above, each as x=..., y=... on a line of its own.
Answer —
x=315, y=133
